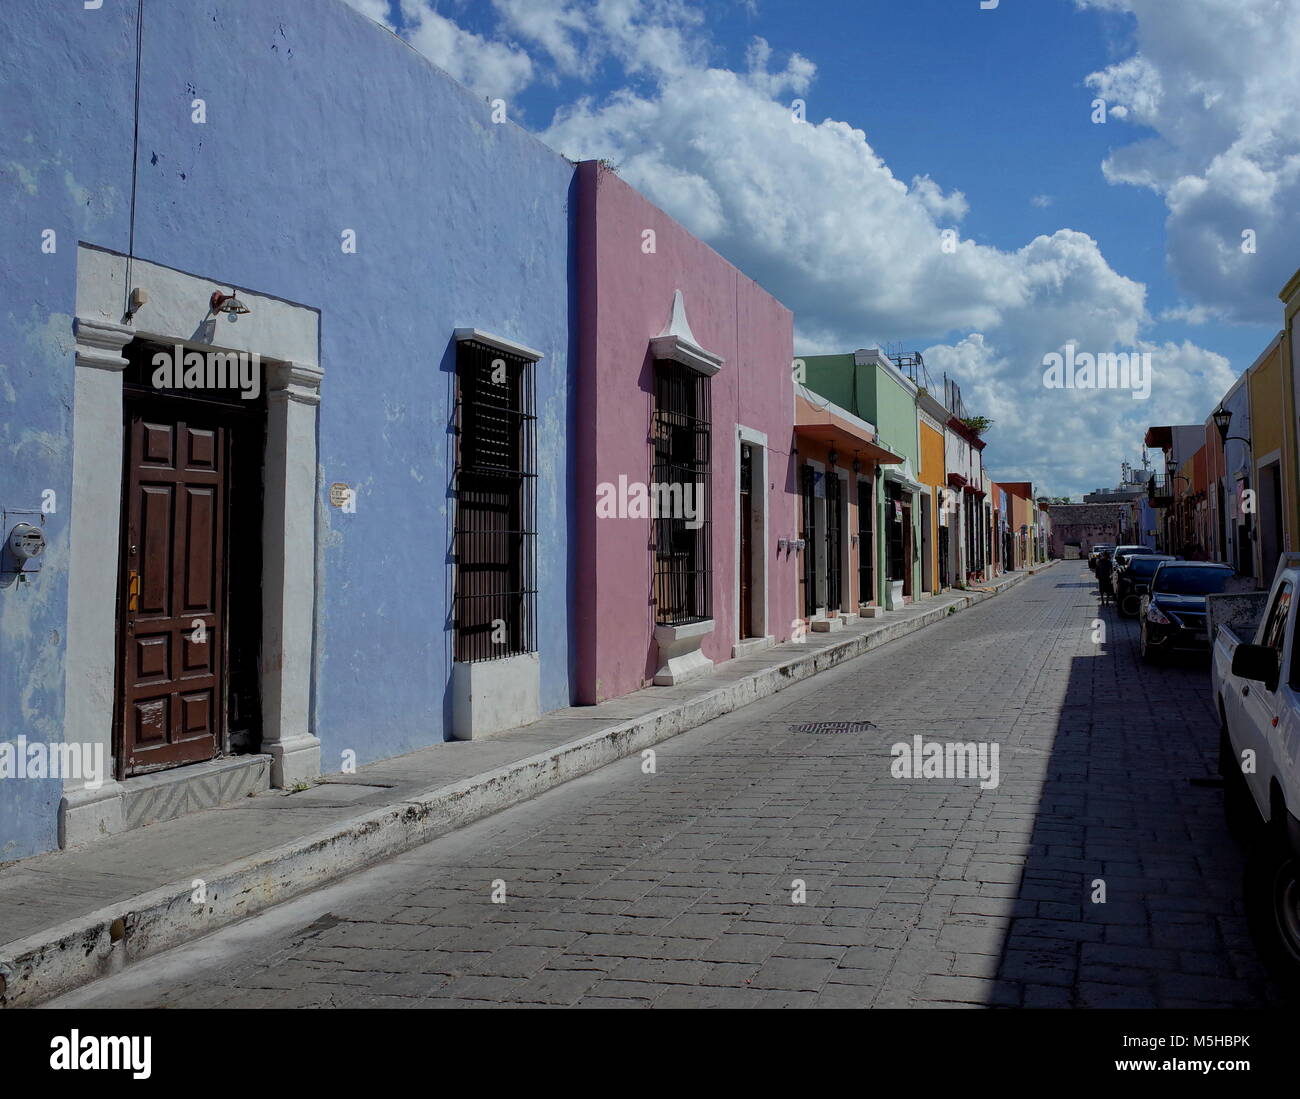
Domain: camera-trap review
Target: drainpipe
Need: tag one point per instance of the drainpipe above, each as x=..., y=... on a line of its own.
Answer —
x=1285, y=368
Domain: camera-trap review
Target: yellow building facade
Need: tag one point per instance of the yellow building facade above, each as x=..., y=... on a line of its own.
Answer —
x=933, y=475
x=1273, y=463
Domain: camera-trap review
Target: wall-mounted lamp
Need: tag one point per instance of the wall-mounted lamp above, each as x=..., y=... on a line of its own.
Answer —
x=857, y=464
x=1223, y=422
x=139, y=296
x=833, y=456
x=227, y=303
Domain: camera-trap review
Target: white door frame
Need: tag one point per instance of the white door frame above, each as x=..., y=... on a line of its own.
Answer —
x=287, y=336
x=759, y=508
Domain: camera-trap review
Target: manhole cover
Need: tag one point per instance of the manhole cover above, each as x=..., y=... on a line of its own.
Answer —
x=833, y=727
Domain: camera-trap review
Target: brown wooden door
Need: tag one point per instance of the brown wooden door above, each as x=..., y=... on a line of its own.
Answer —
x=746, y=542
x=171, y=614
x=907, y=549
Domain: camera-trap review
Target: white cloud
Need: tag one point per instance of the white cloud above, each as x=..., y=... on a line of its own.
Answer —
x=372, y=9
x=643, y=36
x=493, y=69
x=952, y=207
x=1217, y=85
x=1041, y=201
x=814, y=213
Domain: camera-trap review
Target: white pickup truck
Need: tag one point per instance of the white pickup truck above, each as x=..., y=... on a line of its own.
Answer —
x=1256, y=683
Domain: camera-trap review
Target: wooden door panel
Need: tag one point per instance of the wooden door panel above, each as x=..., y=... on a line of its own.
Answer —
x=158, y=442
x=152, y=659
x=173, y=579
x=156, y=530
x=150, y=721
x=196, y=656
x=196, y=714
x=198, y=596
x=202, y=449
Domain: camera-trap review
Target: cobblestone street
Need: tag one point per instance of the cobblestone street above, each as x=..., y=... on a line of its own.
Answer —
x=676, y=889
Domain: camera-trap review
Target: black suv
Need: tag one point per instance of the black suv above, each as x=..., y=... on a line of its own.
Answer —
x=1122, y=554
x=1173, y=610
x=1133, y=580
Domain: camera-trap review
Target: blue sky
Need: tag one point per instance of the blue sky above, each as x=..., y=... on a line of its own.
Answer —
x=935, y=114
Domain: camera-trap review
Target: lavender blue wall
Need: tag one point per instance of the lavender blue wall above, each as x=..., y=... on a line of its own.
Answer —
x=317, y=121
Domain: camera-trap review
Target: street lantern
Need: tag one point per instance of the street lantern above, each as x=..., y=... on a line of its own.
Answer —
x=1222, y=421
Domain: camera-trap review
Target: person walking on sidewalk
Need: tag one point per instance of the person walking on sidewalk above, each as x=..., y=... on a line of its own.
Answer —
x=1105, y=576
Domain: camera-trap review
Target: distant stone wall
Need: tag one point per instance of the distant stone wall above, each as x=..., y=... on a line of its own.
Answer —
x=1077, y=527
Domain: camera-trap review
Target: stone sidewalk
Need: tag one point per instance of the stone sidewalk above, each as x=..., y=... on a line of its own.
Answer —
x=761, y=864
x=71, y=916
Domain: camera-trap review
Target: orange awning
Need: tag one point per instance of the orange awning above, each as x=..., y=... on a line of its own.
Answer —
x=844, y=431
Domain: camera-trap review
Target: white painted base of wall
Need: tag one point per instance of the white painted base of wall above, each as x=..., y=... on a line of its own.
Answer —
x=751, y=646
x=894, y=595
x=491, y=696
x=824, y=624
x=871, y=612
x=87, y=814
x=680, y=659
x=293, y=760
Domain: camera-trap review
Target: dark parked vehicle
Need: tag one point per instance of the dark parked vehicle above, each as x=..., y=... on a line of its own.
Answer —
x=1133, y=580
x=1095, y=552
x=1173, y=610
x=1123, y=553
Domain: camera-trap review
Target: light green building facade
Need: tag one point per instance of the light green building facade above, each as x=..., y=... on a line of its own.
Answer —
x=867, y=384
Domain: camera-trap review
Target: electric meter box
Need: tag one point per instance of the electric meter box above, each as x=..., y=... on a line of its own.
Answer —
x=24, y=546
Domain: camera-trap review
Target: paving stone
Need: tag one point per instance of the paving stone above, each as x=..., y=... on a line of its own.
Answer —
x=674, y=890
x=793, y=974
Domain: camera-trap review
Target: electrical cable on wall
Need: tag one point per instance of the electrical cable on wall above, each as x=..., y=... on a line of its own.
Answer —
x=127, y=315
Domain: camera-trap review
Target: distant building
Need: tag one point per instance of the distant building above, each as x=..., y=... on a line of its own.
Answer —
x=1076, y=528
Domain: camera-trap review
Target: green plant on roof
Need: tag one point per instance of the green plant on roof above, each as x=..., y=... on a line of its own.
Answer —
x=978, y=424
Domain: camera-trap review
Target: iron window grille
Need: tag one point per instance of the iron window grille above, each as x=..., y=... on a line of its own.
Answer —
x=496, y=504
x=808, y=533
x=866, y=544
x=894, y=501
x=681, y=435
x=833, y=545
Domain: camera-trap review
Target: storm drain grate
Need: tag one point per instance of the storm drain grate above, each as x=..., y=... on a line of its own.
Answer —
x=833, y=727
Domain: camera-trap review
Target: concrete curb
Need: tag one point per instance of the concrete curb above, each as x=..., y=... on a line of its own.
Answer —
x=63, y=957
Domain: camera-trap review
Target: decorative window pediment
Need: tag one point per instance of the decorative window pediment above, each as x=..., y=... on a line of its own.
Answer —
x=677, y=342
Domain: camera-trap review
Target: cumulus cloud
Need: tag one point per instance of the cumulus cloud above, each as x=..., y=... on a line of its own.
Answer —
x=644, y=37
x=813, y=212
x=1215, y=86
x=373, y=9
x=491, y=68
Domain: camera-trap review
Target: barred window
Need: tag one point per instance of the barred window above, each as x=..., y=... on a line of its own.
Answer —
x=866, y=543
x=495, y=492
x=681, y=434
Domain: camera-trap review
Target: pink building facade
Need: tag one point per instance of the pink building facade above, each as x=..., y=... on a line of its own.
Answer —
x=685, y=487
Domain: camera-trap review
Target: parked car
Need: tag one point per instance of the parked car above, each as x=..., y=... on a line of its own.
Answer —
x=1256, y=688
x=1123, y=553
x=1095, y=552
x=1173, y=609
x=1133, y=580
